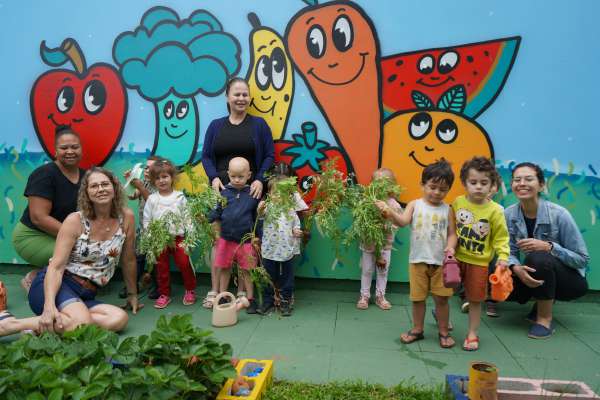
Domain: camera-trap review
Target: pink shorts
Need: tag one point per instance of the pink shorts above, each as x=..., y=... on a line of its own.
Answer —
x=226, y=252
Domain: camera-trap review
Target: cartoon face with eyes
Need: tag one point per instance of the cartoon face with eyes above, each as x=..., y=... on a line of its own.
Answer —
x=415, y=139
x=482, y=228
x=436, y=68
x=177, y=136
x=335, y=50
x=464, y=217
x=270, y=77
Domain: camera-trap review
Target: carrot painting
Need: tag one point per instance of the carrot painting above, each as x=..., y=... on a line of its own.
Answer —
x=335, y=49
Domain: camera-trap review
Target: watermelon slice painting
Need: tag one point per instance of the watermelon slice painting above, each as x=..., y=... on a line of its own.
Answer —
x=482, y=68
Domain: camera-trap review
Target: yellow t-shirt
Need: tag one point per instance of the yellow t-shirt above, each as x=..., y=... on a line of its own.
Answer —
x=481, y=230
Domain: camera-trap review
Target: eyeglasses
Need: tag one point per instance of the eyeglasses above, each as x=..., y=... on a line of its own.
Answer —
x=102, y=185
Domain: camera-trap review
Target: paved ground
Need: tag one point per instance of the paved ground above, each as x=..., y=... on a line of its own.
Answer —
x=327, y=338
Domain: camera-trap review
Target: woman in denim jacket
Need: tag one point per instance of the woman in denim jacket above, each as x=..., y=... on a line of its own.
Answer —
x=556, y=256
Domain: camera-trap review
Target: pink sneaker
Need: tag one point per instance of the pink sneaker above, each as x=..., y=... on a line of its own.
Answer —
x=189, y=298
x=162, y=301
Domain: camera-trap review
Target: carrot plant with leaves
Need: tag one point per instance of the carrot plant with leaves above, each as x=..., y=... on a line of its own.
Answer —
x=154, y=239
x=200, y=201
x=330, y=198
x=368, y=225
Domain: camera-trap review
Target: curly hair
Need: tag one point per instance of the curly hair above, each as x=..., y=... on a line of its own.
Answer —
x=479, y=164
x=84, y=204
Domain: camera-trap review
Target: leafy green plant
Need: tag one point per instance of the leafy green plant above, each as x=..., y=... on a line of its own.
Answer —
x=280, y=200
x=200, y=201
x=177, y=360
x=330, y=199
x=368, y=225
x=154, y=239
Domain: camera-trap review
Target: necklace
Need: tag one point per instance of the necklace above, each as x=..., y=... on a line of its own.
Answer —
x=104, y=227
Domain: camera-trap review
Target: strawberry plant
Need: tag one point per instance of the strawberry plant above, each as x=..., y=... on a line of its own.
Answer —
x=177, y=360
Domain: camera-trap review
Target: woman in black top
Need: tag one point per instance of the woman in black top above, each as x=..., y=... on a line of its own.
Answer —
x=51, y=193
x=236, y=135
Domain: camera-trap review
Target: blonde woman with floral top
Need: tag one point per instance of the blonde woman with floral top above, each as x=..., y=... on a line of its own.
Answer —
x=88, y=248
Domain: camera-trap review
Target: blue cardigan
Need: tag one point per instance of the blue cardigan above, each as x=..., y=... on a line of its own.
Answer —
x=263, y=143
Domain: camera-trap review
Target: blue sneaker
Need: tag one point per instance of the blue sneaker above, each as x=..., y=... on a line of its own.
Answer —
x=538, y=331
x=532, y=315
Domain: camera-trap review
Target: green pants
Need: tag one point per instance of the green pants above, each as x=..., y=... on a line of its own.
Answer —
x=33, y=246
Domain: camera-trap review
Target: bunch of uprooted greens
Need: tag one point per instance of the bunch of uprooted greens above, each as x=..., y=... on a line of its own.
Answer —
x=330, y=198
x=154, y=239
x=280, y=200
x=200, y=201
x=368, y=225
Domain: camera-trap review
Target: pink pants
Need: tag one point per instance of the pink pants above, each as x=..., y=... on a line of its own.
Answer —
x=367, y=264
x=182, y=261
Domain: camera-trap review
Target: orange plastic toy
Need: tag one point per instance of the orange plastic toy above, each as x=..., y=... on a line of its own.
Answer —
x=502, y=284
x=2, y=296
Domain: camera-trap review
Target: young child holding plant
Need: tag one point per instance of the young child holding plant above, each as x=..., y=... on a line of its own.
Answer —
x=234, y=221
x=281, y=237
x=164, y=201
x=143, y=189
x=482, y=233
x=433, y=235
x=371, y=262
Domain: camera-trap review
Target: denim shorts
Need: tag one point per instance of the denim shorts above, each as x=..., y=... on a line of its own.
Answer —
x=69, y=292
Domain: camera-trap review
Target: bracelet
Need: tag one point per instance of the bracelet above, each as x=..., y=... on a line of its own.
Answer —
x=551, y=246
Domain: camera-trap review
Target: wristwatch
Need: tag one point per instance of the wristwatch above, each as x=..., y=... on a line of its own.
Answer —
x=551, y=246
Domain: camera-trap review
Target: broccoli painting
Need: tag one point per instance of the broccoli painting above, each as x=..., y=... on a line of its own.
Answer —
x=170, y=60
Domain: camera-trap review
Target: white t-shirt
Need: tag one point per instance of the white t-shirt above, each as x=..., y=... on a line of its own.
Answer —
x=429, y=233
x=278, y=241
x=158, y=205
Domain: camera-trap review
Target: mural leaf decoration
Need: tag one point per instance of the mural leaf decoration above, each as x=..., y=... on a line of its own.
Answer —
x=421, y=100
x=454, y=99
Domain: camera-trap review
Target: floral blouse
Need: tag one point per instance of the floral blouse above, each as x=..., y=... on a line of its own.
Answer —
x=96, y=260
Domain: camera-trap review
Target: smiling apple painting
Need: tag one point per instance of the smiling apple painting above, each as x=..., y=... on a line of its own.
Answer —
x=92, y=101
x=335, y=49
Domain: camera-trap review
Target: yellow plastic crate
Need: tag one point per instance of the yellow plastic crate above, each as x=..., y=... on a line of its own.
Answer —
x=261, y=382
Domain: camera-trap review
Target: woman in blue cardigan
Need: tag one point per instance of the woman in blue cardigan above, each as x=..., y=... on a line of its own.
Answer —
x=236, y=135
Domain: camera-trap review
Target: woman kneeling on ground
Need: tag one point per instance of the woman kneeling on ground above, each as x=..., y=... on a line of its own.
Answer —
x=88, y=248
x=556, y=256
x=51, y=196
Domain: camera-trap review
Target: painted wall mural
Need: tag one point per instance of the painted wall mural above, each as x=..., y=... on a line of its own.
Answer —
x=340, y=79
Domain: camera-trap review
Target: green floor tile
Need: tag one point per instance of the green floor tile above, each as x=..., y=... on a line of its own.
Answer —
x=293, y=361
x=292, y=330
x=381, y=366
x=349, y=312
x=583, y=367
x=371, y=335
x=580, y=322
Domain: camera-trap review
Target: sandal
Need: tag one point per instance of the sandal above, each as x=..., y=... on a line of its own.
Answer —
x=412, y=337
x=209, y=300
x=383, y=303
x=446, y=341
x=363, y=303
x=471, y=344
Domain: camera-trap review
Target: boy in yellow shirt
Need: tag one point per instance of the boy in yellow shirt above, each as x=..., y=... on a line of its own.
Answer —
x=481, y=230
